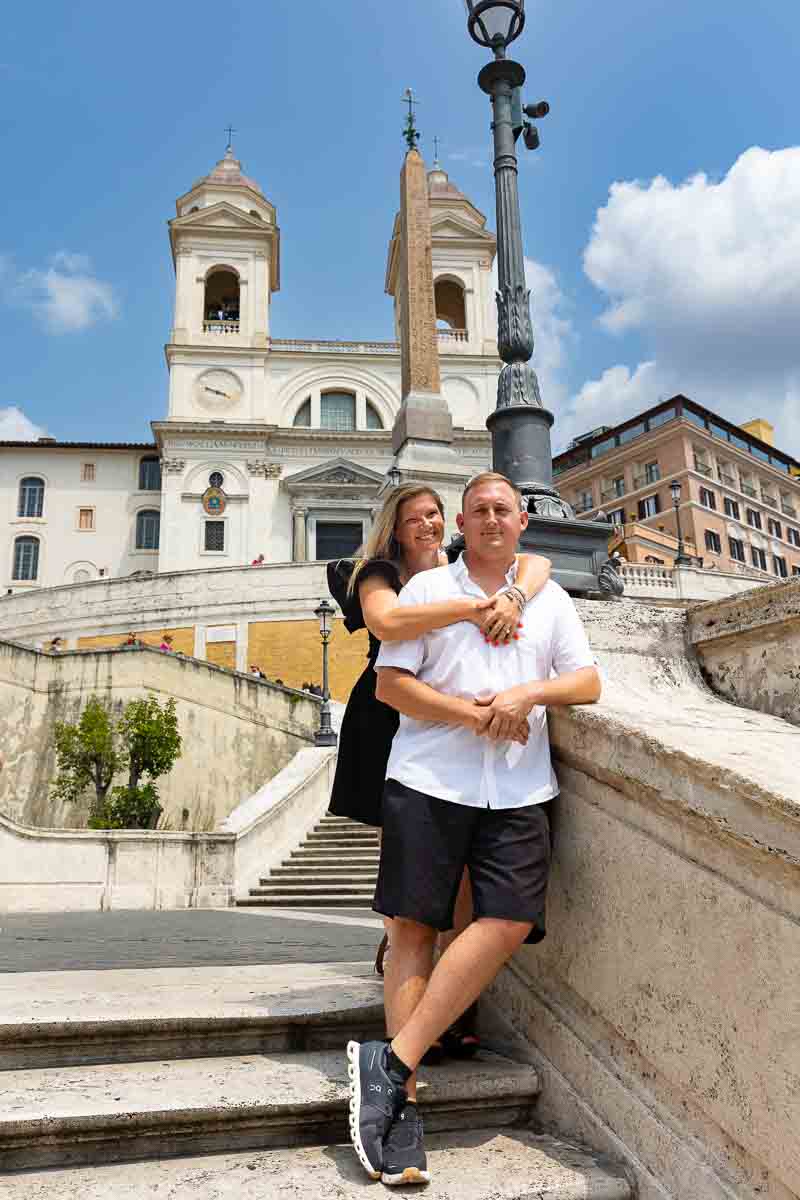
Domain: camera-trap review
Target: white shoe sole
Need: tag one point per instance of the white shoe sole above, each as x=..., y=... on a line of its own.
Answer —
x=354, y=1072
x=410, y=1175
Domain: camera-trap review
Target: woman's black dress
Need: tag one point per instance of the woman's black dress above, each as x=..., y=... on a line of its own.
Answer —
x=368, y=726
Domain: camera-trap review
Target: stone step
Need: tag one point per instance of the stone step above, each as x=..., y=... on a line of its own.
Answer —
x=316, y=888
x=126, y=1111
x=313, y=878
x=305, y=900
x=340, y=839
x=334, y=856
x=76, y=1018
x=323, y=874
x=483, y=1164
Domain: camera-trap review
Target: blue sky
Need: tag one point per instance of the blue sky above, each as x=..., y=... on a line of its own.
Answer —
x=641, y=287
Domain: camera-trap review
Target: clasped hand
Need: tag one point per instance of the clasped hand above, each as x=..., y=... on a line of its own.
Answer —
x=497, y=618
x=504, y=717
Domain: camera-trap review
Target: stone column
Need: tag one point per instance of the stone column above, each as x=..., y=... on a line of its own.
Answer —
x=299, y=543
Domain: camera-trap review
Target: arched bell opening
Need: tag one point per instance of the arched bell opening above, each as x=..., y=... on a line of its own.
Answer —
x=221, y=306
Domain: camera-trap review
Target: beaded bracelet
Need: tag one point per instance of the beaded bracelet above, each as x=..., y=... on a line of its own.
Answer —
x=518, y=596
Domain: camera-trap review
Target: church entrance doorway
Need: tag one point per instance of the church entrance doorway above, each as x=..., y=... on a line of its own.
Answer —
x=338, y=539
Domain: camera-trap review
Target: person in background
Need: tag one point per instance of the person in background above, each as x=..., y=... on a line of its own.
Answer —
x=54, y=646
x=166, y=643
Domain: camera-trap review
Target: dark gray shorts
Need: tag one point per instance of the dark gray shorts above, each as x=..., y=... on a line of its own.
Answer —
x=427, y=843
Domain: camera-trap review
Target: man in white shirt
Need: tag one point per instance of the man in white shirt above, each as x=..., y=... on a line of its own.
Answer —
x=467, y=775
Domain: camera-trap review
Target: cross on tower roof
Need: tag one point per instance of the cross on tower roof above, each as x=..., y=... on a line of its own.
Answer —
x=230, y=132
x=410, y=133
x=436, y=162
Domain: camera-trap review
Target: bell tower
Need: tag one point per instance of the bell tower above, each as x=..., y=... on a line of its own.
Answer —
x=225, y=245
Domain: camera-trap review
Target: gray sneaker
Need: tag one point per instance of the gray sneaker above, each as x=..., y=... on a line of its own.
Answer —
x=404, y=1158
x=376, y=1095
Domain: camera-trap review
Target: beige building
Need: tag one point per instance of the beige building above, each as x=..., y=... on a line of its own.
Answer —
x=740, y=495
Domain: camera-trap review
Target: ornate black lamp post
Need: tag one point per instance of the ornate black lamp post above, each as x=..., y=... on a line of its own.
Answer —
x=681, y=558
x=325, y=735
x=520, y=424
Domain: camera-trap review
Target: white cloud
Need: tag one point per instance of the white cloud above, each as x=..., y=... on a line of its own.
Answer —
x=65, y=296
x=15, y=426
x=709, y=273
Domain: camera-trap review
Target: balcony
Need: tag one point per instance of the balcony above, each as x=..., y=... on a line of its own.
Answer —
x=770, y=500
x=612, y=493
x=728, y=480
x=703, y=468
x=221, y=327
x=447, y=337
x=788, y=509
x=748, y=490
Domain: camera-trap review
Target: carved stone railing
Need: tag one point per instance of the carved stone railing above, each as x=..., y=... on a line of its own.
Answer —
x=452, y=335
x=319, y=346
x=641, y=580
x=220, y=326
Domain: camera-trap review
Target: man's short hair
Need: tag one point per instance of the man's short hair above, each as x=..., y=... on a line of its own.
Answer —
x=491, y=477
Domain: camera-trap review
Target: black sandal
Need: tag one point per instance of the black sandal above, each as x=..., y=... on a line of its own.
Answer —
x=434, y=1054
x=461, y=1040
x=381, y=955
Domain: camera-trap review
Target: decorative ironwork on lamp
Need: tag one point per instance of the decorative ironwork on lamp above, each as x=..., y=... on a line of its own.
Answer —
x=495, y=23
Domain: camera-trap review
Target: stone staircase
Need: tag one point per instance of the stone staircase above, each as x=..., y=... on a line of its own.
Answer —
x=334, y=867
x=246, y=1067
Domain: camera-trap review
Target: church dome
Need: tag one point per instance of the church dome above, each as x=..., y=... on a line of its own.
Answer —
x=228, y=172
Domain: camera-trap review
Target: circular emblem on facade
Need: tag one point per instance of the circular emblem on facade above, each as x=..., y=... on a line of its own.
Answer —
x=214, y=501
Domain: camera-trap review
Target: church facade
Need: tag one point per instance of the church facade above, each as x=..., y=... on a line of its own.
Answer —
x=272, y=450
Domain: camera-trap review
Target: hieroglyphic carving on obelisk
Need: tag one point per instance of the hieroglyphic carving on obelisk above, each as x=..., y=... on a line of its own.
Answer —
x=424, y=416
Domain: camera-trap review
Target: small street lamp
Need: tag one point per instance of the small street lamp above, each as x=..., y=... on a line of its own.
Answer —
x=681, y=559
x=325, y=735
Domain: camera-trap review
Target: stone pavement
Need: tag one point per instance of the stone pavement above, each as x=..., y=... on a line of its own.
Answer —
x=193, y=937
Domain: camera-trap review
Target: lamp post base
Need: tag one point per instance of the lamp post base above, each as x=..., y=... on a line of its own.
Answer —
x=325, y=737
x=578, y=551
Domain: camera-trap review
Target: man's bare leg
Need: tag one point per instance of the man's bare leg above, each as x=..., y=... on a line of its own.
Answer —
x=464, y=970
x=462, y=915
x=408, y=970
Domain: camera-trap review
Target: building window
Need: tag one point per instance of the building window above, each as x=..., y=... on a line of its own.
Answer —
x=627, y=435
x=775, y=528
x=584, y=501
x=338, y=539
x=737, y=549
x=759, y=558
x=795, y=569
x=652, y=474
x=793, y=536
x=87, y=472
x=302, y=417
x=753, y=518
x=150, y=475
x=85, y=518
x=708, y=498
x=215, y=536
x=780, y=566
x=373, y=418
x=450, y=304
x=713, y=542
x=221, y=301
x=216, y=479
x=661, y=418
x=649, y=507
x=148, y=527
x=26, y=558
x=338, y=411
x=618, y=485
x=31, y=497
x=731, y=508
x=617, y=517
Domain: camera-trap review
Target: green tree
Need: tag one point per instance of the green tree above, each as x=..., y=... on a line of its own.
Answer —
x=86, y=757
x=145, y=742
x=151, y=745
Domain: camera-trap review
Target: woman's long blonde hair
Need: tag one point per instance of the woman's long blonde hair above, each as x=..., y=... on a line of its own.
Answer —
x=381, y=542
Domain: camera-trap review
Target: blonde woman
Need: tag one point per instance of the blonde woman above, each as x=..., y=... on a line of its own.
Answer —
x=405, y=539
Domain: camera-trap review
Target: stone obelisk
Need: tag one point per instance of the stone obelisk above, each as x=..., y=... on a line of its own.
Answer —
x=422, y=438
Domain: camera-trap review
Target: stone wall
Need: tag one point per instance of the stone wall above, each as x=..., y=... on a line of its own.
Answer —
x=662, y=1009
x=234, y=617
x=238, y=732
x=749, y=647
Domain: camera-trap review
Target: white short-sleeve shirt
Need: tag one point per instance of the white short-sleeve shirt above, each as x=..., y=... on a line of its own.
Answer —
x=448, y=761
